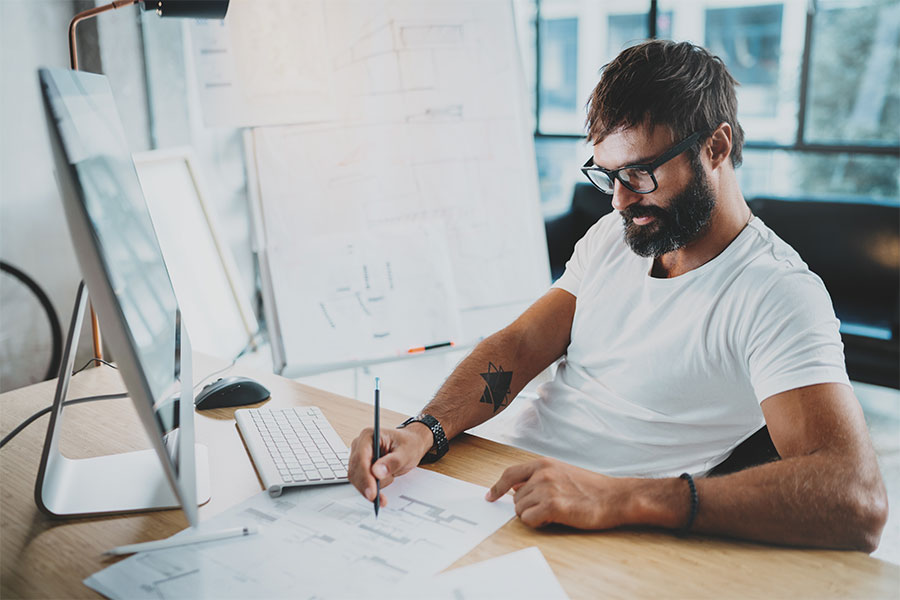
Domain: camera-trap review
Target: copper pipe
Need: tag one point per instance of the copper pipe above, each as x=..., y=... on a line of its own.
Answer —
x=95, y=330
x=73, y=60
x=87, y=14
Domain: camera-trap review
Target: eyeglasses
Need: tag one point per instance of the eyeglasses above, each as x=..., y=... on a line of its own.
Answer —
x=637, y=178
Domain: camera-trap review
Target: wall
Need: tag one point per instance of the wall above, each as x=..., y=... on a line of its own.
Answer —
x=33, y=233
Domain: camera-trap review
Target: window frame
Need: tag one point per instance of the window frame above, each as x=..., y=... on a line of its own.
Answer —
x=798, y=145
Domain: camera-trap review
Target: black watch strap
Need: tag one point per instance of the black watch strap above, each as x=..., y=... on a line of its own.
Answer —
x=441, y=444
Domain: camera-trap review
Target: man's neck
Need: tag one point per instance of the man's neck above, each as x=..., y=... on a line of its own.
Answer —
x=729, y=217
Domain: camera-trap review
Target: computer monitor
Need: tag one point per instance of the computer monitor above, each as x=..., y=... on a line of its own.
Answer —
x=130, y=290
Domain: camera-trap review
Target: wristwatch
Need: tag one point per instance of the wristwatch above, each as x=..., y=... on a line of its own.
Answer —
x=441, y=445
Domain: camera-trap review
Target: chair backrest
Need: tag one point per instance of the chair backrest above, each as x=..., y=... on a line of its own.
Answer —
x=563, y=231
x=853, y=246
x=590, y=204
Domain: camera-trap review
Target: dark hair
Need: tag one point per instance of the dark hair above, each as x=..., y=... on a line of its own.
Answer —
x=661, y=82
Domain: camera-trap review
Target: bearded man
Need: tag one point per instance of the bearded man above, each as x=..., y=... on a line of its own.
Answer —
x=683, y=327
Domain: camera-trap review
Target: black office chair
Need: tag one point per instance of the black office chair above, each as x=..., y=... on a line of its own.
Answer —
x=854, y=247
x=758, y=449
x=588, y=205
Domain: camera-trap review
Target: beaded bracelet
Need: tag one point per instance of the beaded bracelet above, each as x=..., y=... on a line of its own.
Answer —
x=695, y=504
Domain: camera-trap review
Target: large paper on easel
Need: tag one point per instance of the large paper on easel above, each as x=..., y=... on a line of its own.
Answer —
x=347, y=298
x=419, y=122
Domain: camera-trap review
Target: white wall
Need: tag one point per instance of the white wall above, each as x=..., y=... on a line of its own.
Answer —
x=33, y=233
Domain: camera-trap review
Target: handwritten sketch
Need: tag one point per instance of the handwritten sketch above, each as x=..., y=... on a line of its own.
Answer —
x=255, y=68
x=310, y=540
x=423, y=123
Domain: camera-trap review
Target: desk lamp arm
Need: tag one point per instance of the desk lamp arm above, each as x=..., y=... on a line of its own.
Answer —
x=87, y=14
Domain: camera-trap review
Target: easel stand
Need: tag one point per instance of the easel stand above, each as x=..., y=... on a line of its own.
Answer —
x=102, y=485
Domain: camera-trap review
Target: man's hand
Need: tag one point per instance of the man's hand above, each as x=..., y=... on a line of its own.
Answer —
x=401, y=451
x=550, y=491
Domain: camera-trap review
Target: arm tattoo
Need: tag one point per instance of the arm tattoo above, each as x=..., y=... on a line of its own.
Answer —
x=496, y=391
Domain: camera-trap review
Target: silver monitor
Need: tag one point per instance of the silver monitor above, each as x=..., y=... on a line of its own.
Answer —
x=130, y=290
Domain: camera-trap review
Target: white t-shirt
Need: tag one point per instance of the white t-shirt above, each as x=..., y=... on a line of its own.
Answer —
x=664, y=376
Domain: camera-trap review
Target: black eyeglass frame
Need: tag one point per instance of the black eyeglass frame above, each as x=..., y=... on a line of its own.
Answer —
x=665, y=157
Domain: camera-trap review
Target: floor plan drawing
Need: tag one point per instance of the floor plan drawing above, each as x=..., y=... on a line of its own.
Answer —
x=310, y=538
x=430, y=131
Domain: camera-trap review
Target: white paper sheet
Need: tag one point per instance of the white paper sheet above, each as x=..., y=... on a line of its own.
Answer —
x=407, y=114
x=263, y=67
x=356, y=298
x=522, y=574
x=319, y=542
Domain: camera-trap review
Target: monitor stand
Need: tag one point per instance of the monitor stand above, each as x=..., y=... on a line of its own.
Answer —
x=102, y=485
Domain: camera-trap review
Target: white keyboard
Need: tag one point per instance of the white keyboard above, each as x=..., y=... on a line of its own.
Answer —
x=293, y=447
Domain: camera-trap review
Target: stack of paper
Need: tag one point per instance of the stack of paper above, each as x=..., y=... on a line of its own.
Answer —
x=319, y=542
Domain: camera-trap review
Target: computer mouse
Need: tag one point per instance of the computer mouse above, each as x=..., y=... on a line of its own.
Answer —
x=230, y=391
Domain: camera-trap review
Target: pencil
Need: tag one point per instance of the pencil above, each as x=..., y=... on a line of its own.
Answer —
x=376, y=446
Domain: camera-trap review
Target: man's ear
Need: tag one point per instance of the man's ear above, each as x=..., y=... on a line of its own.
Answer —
x=718, y=147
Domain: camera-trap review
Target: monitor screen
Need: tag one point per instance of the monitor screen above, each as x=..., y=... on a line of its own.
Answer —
x=118, y=251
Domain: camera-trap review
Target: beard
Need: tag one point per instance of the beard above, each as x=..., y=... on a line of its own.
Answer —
x=684, y=220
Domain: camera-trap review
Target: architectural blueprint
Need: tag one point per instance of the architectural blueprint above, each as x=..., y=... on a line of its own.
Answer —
x=319, y=542
x=372, y=117
x=429, y=136
x=364, y=297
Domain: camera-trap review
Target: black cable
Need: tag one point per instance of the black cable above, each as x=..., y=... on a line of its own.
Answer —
x=47, y=409
x=246, y=348
x=55, y=329
x=95, y=359
x=44, y=411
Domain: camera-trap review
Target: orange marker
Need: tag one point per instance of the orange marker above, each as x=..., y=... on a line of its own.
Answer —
x=430, y=347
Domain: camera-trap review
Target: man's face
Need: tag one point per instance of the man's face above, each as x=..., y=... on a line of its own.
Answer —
x=677, y=212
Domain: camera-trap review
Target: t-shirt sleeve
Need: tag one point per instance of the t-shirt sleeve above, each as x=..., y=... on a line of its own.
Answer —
x=794, y=337
x=585, y=250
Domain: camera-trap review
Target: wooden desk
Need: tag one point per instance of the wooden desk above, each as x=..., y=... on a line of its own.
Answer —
x=46, y=558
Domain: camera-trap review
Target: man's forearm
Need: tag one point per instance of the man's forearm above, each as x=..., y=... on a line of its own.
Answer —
x=487, y=380
x=822, y=499
x=483, y=384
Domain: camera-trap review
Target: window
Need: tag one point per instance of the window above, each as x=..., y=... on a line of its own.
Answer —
x=825, y=175
x=748, y=39
x=854, y=92
x=820, y=109
x=559, y=60
x=626, y=30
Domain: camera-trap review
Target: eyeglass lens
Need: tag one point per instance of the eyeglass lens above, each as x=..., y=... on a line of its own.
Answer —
x=638, y=180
